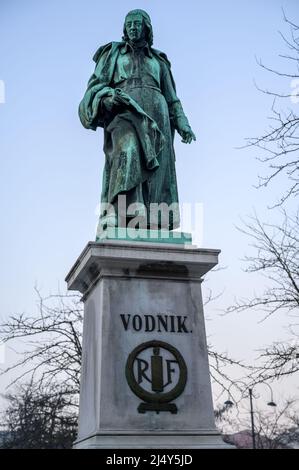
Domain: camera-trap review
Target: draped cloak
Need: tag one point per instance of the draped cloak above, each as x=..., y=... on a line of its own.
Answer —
x=138, y=136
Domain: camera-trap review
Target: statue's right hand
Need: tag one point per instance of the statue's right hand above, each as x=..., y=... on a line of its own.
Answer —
x=109, y=103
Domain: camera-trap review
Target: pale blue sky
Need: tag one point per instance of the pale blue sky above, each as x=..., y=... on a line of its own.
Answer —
x=51, y=166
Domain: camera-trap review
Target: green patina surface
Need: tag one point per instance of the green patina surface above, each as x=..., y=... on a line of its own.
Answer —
x=143, y=235
x=132, y=95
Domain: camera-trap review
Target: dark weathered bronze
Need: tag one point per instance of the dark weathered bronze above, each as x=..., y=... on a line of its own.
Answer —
x=132, y=95
x=157, y=401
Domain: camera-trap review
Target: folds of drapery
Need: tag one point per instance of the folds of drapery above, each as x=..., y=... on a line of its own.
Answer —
x=132, y=139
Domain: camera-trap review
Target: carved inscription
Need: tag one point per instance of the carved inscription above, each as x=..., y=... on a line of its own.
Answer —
x=158, y=323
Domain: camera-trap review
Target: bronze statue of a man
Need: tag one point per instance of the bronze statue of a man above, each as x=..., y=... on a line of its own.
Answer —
x=132, y=95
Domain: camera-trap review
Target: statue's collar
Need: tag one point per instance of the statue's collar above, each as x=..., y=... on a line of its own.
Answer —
x=128, y=48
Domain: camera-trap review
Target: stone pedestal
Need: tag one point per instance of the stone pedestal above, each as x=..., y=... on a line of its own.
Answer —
x=145, y=379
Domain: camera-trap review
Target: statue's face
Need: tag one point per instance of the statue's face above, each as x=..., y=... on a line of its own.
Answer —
x=134, y=27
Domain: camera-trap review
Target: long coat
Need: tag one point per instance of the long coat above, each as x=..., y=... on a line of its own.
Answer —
x=138, y=139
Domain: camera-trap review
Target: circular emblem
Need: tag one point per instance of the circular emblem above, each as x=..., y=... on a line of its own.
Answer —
x=157, y=373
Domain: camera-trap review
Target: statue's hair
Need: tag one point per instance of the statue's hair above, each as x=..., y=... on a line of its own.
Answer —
x=149, y=36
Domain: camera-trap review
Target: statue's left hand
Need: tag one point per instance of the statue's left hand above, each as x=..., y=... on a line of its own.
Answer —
x=186, y=133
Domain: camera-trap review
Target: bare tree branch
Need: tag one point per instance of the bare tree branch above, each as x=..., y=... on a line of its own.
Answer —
x=276, y=257
x=279, y=146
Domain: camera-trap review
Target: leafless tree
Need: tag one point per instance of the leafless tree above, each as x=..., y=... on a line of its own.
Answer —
x=276, y=257
x=279, y=145
x=39, y=418
x=276, y=245
x=52, y=342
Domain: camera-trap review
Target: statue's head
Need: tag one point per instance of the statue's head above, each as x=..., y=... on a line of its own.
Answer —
x=138, y=26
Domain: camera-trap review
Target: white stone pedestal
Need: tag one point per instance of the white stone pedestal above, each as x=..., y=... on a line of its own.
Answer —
x=145, y=379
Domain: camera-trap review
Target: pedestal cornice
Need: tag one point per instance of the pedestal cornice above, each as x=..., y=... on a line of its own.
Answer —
x=144, y=259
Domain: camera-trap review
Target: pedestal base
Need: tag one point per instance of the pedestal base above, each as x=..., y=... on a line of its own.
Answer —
x=145, y=379
x=153, y=441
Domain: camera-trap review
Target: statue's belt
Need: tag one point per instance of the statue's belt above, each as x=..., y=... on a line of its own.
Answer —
x=130, y=85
